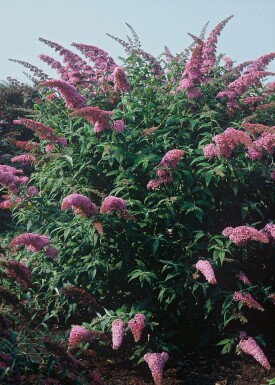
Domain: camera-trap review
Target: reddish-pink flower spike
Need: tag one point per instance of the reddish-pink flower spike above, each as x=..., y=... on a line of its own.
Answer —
x=229, y=140
x=25, y=159
x=10, y=169
x=120, y=80
x=80, y=204
x=10, y=202
x=78, y=335
x=210, y=45
x=31, y=191
x=261, y=63
x=269, y=231
x=136, y=325
x=171, y=159
x=73, y=99
x=247, y=300
x=156, y=362
x=26, y=145
x=209, y=151
x=118, y=126
x=242, y=277
x=118, y=330
x=96, y=116
x=51, y=252
x=265, y=142
x=33, y=242
x=112, y=203
x=206, y=269
x=10, y=181
x=249, y=346
x=19, y=272
x=42, y=131
x=241, y=235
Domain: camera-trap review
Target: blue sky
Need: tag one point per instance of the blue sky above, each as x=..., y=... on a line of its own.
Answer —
x=158, y=22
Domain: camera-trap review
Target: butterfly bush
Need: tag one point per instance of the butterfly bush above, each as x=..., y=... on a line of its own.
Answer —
x=80, y=204
x=269, y=231
x=96, y=116
x=33, y=242
x=241, y=235
x=118, y=329
x=120, y=80
x=249, y=346
x=206, y=269
x=112, y=203
x=10, y=202
x=79, y=334
x=25, y=159
x=247, y=299
x=18, y=271
x=136, y=325
x=243, y=278
x=156, y=362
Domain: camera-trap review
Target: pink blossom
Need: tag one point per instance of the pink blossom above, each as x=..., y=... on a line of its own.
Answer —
x=250, y=100
x=118, y=329
x=206, y=269
x=96, y=116
x=78, y=335
x=269, y=231
x=26, y=145
x=42, y=131
x=265, y=142
x=229, y=140
x=10, y=169
x=241, y=235
x=228, y=62
x=49, y=148
x=112, y=203
x=33, y=242
x=73, y=99
x=249, y=346
x=210, y=45
x=209, y=151
x=51, y=252
x=120, y=80
x=247, y=300
x=261, y=63
x=254, y=154
x=156, y=362
x=31, y=191
x=80, y=204
x=153, y=184
x=118, y=126
x=171, y=159
x=10, y=181
x=25, y=159
x=19, y=272
x=10, y=202
x=242, y=277
x=136, y=325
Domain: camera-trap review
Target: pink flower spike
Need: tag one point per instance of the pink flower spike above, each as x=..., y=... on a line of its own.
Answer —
x=249, y=346
x=209, y=151
x=78, y=335
x=241, y=235
x=19, y=272
x=118, y=126
x=51, y=252
x=156, y=362
x=25, y=159
x=269, y=231
x=120, y=80
x=136, y=325
x=242, y=277
x=33, y=242
x=80, y=204
x=118, y=330
x=206, y=269
x=247, y=300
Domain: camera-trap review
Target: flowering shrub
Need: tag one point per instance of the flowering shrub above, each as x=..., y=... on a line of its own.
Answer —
x=179, y=160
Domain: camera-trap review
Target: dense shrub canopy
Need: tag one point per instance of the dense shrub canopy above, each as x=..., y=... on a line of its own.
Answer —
x=155, y=193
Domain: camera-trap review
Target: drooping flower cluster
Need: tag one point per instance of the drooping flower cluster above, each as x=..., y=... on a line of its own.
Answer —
x=120, y=80
x=96, y=116
x=192, y=77
x=10, y=180
x=249, y=346
x=42, y=131
x=206, y=269
x=261, y=63
x=78, y=335
x=136, y=325
x=243, y=278
x=24, y=159
x=17, y=271
x=167, y=164
x=31, y=191
x=80, y=204
x=269, y=231
x=26, y=145
x=79, y=296
x=241, y=235
x=210, y=46
x=112, y=203
x=248, y=300
x=156, y=362
x=257, y=128
x=33, y=242
x=226, y=143
x=10, y=201
x=118, y=330
x=73, y=99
